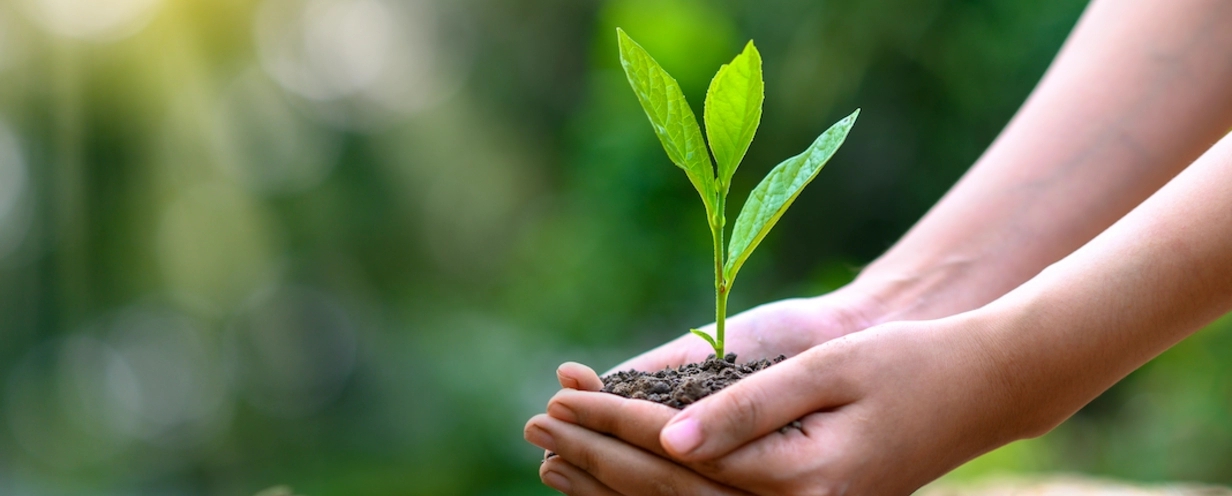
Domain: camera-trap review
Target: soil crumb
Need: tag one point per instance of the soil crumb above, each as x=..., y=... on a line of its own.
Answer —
x=685, y=384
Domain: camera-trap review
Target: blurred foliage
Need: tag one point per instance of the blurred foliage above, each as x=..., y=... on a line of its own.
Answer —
x=342, y=244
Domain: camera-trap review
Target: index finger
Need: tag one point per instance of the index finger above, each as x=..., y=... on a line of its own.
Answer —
x=612, y=462
x=636, y=422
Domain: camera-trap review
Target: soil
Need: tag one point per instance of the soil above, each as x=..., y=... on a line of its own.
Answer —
x=683, y=385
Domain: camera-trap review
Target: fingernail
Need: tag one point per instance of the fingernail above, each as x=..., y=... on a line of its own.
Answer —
x=566, y=380
x=562, y=412
x=556, y=481
x=539, y=437
x=682, y=437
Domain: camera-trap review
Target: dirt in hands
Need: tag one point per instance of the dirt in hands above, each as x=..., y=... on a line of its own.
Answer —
x=683, y=385
x=686, y=384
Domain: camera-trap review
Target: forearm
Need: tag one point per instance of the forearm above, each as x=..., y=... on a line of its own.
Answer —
x=1138, y=92
x=1153, y=278
x=886, y=410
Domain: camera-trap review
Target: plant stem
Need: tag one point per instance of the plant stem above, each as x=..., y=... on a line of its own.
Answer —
x=720, y=284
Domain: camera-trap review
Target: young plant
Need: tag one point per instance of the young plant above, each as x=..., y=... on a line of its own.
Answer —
x=732, y=114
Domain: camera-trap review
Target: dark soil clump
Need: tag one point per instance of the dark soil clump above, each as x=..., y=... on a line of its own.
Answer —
x=685, y=384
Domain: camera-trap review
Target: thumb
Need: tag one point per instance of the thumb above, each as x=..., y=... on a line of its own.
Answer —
x=758, y=405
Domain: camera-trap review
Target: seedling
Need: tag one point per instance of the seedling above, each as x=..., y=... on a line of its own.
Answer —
x=732, y=114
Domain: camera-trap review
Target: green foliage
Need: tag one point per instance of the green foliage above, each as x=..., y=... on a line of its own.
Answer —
x=732, y=114
x=470, y=241
x=707, y=337
x=733, y=111
x=671, y=117
x=770, y=199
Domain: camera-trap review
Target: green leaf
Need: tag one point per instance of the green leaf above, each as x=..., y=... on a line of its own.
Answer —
x=707, y=337
x=733, y=111
x=671, y=117
x=781, y=186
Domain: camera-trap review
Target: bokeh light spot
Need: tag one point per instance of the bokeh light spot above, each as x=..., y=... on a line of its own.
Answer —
x=361, y=61
x=179, y=384
x=276, y=150
x=292, y=350
x=94, y=20
x=215, y=246
x=15, y=201
x=66, y=402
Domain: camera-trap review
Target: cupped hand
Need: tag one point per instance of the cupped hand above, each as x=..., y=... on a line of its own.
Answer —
x=882, y=412
x=786, y=327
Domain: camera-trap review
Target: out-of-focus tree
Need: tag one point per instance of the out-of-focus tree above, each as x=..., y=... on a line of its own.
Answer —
x=342, y=244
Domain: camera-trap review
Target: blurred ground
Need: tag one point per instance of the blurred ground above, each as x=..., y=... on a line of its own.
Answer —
x=1067, y=485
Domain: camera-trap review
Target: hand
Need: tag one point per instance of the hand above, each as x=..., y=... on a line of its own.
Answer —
x=785, y=327
x=564, y=476
x=882, y=412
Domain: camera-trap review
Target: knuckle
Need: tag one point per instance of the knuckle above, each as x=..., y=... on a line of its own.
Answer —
x=530, y=427
x=714, y=468
x=556, y=398
x=576, y=452
x=836, y=369
x=745, y=410
x=587, y=458
x=616, y=420
x=559, y=408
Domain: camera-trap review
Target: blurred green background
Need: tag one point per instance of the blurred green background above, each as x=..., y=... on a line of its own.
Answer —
x=342, y=244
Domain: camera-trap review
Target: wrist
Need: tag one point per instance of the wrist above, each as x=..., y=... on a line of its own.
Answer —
x=993, y=387
x=880, y=296
x=1038, y=365
x=892, y=292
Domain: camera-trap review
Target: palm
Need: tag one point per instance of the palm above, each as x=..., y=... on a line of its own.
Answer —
x=785, y=327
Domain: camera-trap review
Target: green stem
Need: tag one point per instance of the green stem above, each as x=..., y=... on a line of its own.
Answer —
x=720, y=285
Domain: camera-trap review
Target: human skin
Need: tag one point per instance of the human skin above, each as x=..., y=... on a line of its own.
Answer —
x=889, y=409
x=1136, y=94
x=1079, y=154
